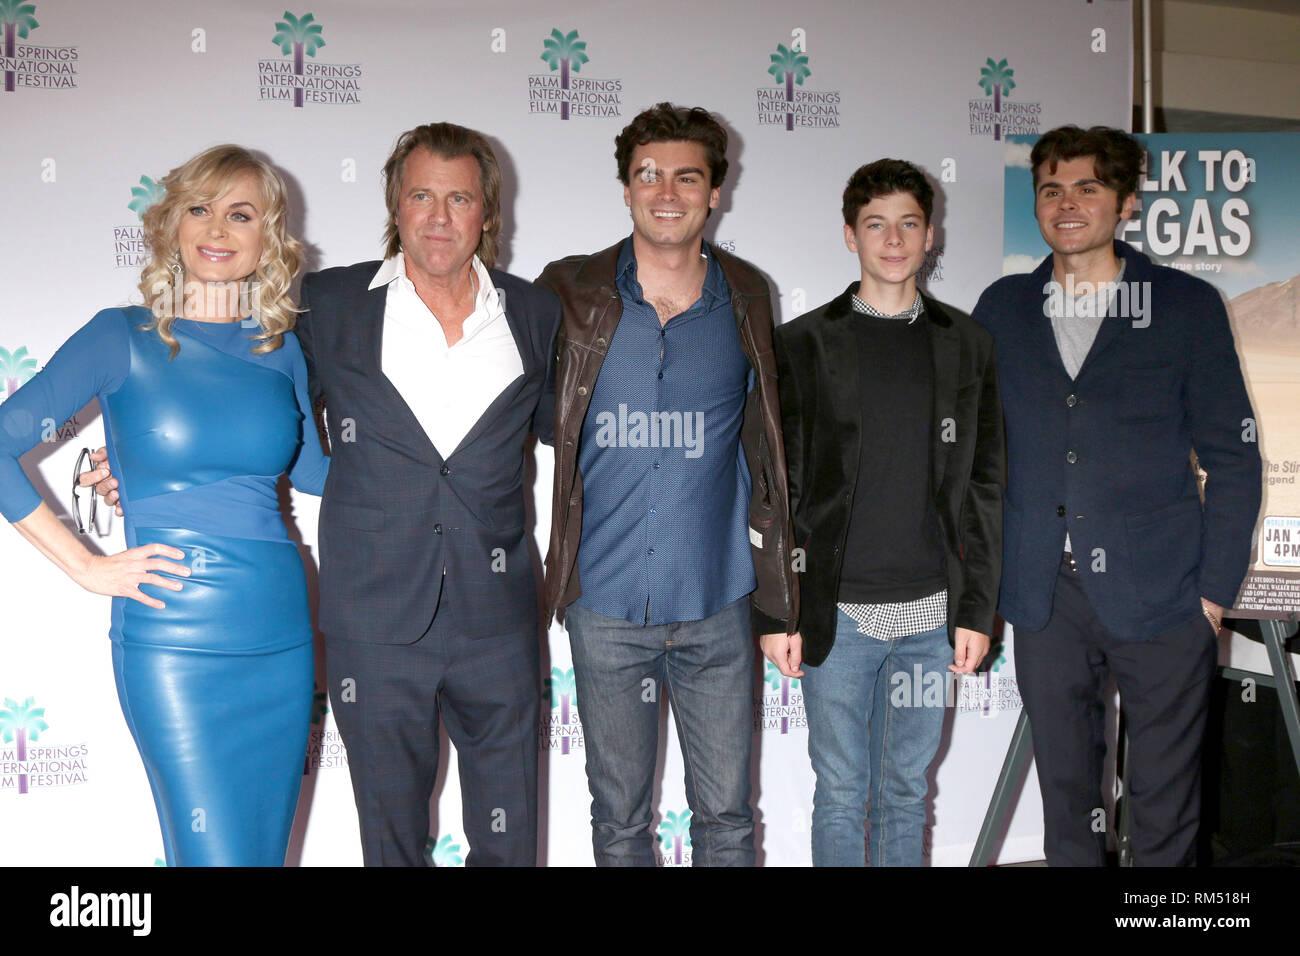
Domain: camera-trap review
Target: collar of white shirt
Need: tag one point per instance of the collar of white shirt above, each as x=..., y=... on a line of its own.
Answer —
x=487, y=302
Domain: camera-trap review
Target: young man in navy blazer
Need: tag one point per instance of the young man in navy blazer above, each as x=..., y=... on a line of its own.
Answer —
x=893, y=437
x=1114, y=371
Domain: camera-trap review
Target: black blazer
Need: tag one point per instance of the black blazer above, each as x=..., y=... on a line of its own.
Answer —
x=817, y=362
x=398, y=523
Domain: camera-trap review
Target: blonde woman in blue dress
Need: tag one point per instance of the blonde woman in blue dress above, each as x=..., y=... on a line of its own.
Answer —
x=204, y=398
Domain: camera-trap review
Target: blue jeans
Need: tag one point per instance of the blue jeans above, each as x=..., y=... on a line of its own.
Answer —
x=706, y=670
x=873, y=729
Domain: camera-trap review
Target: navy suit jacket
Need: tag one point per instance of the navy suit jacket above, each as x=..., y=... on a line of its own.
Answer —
x=1105, y=456
x=399, y=524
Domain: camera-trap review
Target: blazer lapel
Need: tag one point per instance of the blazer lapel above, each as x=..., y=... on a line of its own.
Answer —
x=945, y=347
x=492, y=413
x=370, y=322
x=843, y=365
x=527, y=357
x=1113, y=325
x=1038, y=324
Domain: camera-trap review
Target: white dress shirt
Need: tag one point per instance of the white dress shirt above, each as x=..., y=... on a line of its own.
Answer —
x=447, y=387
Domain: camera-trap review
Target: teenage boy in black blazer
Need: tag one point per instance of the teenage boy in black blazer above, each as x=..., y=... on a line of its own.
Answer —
x=894, y=445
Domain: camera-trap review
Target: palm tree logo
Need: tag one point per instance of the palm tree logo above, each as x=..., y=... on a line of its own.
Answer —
x=18, y=22
x=443, y=853
x=562, y=52
x=792, y=68
x=996, y=79
x=675, y=833
x=780, y=682
x=15, y=367
x=298, y=35
x=144, y=196
x=18, y=721
x=563, y=692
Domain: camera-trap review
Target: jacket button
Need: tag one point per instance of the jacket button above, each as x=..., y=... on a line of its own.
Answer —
x=444, y=470
x=1071, y=457
x=582, y=389
x=1060, y=511
x=437, y=529
x=600, y=341
x=1072, y=400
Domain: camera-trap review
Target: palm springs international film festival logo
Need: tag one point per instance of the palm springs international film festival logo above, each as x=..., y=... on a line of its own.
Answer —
x=560, y=91
x=782, y=103
x=26, y=768
x=297, y=80
x=781, y=705
x=16, y=369
x=129, y=250
x=325, y=748
x=675, y=839
x=996, y=115
x=32, y=66
x=444, y=852
x=561, y=729
x=991, y=692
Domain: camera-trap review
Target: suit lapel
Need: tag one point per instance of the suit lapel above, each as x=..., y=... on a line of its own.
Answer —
x=945, y=347
x=527, y=358
x=1038, y=323
x=371, y=328
x=1113, y=325
x=843, y=367
x=492, y=413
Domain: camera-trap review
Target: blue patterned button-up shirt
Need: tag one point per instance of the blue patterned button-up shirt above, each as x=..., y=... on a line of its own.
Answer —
x=665, y=502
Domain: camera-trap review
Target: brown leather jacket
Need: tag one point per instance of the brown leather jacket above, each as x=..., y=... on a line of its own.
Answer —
x=592, y=308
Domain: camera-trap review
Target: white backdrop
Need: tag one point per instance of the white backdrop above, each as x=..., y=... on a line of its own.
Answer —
x=107, y=98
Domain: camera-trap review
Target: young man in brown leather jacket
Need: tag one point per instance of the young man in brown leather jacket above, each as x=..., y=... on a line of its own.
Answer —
x=670, y=528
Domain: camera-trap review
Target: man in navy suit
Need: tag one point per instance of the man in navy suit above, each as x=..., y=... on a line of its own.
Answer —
x=434, y=368
x=1114, y=372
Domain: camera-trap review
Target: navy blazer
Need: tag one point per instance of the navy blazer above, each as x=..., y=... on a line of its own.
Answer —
x=399, y=524
x=1106, y=455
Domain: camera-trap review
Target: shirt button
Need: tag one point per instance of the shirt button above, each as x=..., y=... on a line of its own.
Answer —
x=444, y=470
x=437, y=529
x=656, y=466
x=1072, y=400
x=661, y=374
x=652, y=511
x=1060, y=511
x=651, y=551
x=1071, y=457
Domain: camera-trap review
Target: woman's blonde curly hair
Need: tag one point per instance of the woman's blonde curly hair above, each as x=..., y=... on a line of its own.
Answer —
x=203, y=179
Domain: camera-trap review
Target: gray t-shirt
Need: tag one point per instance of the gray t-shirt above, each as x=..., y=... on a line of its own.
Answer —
x=1076, y=332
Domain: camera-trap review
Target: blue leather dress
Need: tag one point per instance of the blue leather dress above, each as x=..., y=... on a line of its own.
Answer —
x=217, y=686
